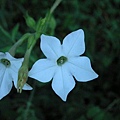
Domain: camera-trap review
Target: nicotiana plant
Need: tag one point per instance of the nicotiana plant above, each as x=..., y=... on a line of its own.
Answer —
x=63, y=62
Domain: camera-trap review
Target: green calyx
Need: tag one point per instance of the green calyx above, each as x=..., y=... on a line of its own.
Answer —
x=61, y=60
x=5, y=62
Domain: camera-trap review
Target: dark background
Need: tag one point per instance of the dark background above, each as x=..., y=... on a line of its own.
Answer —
x=95, y=100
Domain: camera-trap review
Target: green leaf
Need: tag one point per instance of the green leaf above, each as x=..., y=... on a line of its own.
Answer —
x=93, y=111
x=99, y=116
x=5, y=32
x=14, y=32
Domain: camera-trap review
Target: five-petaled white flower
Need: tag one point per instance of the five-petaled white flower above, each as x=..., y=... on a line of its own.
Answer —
x=9, y=67
x=63, y=62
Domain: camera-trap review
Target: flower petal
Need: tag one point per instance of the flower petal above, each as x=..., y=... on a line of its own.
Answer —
x=73, y=43
x=14, y=75
x=42, y=70
x=50, y=46
x=14, y=61
x=5, y=83
x=14, y=68
x=2, y=72
x=27, y=87
x=63, y=82
x=2, y=55
x=81, y=69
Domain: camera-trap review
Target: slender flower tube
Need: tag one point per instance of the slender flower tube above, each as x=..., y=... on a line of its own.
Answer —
x=9, y=67
x=63, y=62
x=23, y=71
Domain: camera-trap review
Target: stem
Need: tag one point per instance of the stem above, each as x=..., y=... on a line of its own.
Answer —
x=31, y=43
x=44, y=26
x=29, y=103
x=26, y=58
x=56, y=3
x=116, y=101
x=18, y=43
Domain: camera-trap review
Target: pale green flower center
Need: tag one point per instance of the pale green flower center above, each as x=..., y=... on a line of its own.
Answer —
x=61, y=60
x=5, y=62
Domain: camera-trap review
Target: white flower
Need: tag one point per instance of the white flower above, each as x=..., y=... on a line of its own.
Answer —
x=63, y=62
x=9, y=67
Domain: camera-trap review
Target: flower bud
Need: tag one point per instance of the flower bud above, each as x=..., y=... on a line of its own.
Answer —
x=22, y=78
x=30, y=21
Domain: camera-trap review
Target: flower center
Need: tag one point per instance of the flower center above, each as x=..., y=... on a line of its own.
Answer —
x=61, y=60
x=5, y=62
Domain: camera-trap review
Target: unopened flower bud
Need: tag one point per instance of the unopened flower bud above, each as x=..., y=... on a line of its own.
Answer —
x=22, y=78
x=30, y=21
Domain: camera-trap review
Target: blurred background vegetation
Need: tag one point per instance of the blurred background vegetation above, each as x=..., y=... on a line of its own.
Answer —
x=95, y=100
